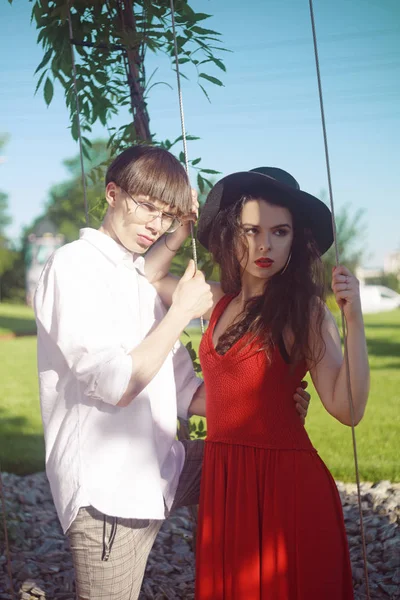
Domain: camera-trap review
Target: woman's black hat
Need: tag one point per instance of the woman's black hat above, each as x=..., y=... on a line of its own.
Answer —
x=269, y=183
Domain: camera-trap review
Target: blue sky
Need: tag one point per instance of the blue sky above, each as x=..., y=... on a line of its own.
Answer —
x=267, y=113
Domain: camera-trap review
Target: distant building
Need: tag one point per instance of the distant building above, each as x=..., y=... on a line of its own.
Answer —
x=391, y=263
x=42, y=242
x=363, y=274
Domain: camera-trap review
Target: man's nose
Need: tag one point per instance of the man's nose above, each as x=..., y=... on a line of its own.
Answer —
x=155, y=224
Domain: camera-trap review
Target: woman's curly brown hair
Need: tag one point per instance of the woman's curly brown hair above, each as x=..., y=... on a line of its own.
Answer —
x=291, y=298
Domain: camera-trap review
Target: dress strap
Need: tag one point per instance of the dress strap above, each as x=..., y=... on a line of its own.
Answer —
x=283, y=351
x=219, y=308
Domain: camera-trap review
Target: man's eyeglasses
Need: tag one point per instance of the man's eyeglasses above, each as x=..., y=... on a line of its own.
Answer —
x=146, y=212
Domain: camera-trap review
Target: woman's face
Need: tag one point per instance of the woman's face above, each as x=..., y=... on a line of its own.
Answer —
x=267, y=232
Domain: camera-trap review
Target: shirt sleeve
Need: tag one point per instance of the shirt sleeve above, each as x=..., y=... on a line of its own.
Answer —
x=75, y=318
x=186, y=380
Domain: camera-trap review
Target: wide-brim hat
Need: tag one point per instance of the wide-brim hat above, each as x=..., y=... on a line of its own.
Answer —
x=273, y=183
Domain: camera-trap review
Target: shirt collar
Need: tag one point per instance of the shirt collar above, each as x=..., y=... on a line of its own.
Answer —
x=116, y=253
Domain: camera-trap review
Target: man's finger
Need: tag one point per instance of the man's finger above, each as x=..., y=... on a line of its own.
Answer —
x=303, y=394
x=302, y=401
x=301, y=410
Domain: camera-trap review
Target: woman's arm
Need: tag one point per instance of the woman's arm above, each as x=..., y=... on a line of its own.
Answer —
x=329, y=375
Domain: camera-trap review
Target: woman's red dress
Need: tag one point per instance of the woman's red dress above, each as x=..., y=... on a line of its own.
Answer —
x=270, y=519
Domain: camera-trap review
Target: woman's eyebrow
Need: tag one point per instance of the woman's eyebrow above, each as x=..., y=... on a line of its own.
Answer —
x=282, y=225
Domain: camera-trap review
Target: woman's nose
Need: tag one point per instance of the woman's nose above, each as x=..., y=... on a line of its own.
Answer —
x=265, y=244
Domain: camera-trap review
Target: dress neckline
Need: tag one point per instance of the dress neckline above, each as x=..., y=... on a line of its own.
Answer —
x=219, y=310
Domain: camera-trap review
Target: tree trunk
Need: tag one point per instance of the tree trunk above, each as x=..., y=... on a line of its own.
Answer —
x=141, y=119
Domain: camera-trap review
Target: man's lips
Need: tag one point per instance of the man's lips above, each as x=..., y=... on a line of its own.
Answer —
x=145, y=240
x=264, y=263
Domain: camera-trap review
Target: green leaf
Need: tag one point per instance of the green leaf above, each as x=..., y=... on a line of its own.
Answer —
x=208, y=182
x=201, y=16
x=205, y=93
x=200, y=183
x=40, y=80
x=45, y=60
x=101, y=77
x=48, y=91
x=202, y=31
x=219, y=64
x=195, y=161
x=74, y=128
x=210, y=171
x=85, y=152
x=87, y=141
x=201, y=425
x=211, y=79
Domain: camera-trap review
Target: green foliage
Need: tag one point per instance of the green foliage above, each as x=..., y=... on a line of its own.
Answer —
x=6, y=252
x=111, y=40
x=193, y=355
x=65, y=205
x=390, y=280
x=350, y=234
x=5, y=218
x=197, y=428
x=12, y=281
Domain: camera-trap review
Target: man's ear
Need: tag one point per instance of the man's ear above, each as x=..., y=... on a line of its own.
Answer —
x=111, y=193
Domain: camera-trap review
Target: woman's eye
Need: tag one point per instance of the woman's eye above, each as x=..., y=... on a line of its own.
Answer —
x=281, y=232
x=250, y=231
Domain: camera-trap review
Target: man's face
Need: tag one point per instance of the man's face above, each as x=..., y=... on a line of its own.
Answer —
x=137, y=221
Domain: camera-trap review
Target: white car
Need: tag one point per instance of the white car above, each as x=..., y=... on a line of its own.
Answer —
x=378, y=298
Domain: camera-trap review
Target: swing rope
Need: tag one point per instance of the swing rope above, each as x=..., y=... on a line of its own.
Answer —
x=344, y=324
x=185, y=152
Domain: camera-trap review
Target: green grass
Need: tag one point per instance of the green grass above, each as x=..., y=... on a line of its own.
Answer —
x=21, y=437
x=16, y=319
x=21, y=434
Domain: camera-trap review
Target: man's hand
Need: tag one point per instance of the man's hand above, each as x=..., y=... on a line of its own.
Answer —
x=194, y=212
x=173, y=241
x=302, y=400
x=192, y=296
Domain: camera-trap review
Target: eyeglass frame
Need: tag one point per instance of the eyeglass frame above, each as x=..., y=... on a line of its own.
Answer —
x=160, y=213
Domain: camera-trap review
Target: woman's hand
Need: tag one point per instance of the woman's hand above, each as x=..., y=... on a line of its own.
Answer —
x=346, y=288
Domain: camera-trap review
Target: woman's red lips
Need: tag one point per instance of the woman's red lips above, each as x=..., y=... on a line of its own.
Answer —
x=264, y=263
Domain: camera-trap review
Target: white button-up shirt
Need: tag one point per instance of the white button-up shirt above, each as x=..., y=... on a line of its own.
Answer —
x=94, y=305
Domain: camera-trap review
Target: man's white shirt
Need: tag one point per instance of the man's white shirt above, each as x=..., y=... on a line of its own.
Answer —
x=94, y=305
